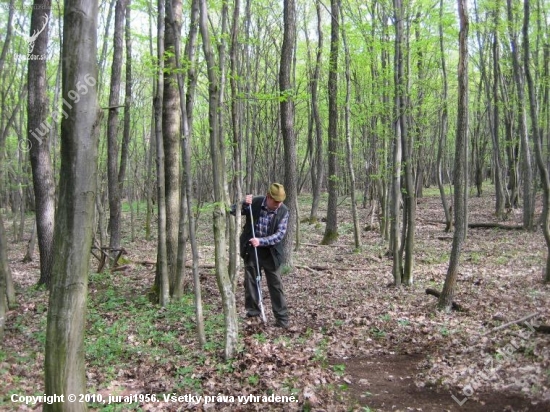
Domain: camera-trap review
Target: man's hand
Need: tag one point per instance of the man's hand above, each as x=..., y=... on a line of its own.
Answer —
x=254, y=241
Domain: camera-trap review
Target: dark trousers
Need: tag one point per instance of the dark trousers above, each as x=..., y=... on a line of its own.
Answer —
x=274, y=284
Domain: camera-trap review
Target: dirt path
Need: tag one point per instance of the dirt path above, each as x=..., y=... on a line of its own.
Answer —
x=387, y=384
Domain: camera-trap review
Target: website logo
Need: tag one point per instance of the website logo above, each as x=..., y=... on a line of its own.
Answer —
x=31, y=40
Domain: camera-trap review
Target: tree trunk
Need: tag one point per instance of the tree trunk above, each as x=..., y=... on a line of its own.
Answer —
x=7, y=39
x=152, y=145
x=30, y=246
x=7, y=292
x=442, y=143
x=461, y=159
x=512, y=150
x=286, y=89
x=535, y=130
x=527, y=189
x=349, y=152
x=186, y=105
x=103, y=54
x=171, y=129
x=236, y=116
x=395, y=247
x=183, y=232
x=112, y=130
x=126, y=134
x=219, y=214
x=38, y=130
x=162, y=281
x=188, y=132
x=331, y=228
x=317, y=169
x=497, y=158
x=64, y=361
x=409, y=196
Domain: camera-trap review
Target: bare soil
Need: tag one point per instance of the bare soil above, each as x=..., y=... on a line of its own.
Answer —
x=387, y=383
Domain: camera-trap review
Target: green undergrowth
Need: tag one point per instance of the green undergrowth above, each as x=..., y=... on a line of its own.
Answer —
x=124, y=333
x=130, y=341
x=123, y=326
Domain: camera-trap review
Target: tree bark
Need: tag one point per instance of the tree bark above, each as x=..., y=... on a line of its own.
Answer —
x=395, y=246
x=349, y=152
x=30, y=246
x=38, y=131
x=219, y=214
x=317, y=169
x=162, y=281
x=442, y=143
x=152, y=146
x=527, y=189
x=535, y=131
x=286, y=89
x=7, y=292
x=171, y=129
x=409, y=197
x=500, y=201
x=112, y=129
x=331, y=228
x=186, y=105
x=64, y=361
x=7, y=39
x=126, y=134
x=461, y=159
x=236, y=117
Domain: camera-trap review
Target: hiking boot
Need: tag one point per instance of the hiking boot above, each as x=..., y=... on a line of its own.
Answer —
x=281, y=324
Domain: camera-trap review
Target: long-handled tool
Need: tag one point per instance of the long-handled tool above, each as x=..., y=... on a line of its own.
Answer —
x=258, y=274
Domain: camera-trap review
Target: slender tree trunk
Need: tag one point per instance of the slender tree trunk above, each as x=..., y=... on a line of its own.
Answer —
x=331, y=228
x=286, y=88
x=186, y=105
x=64, y=360
x=171, y=129
x=4, y=127
x=230, y=227
x=461, y=159
x=409, y=197
x=219, y=214
x=512, y=149
x=319, y=162
x=7, y=291
x=497, y=158
x=535, y=131
x=38, y=128
x=236, y=116
x=162, y=281
x=349, y=152
x=126, y=134
x=395, y=247
x=7, y=39
x=444, y=126
x=103, y=54
x=21, y=192
x=152, y=145
x=528, y=199
x=112, y=129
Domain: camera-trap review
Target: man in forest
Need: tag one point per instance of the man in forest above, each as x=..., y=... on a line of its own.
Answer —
x=270, y=217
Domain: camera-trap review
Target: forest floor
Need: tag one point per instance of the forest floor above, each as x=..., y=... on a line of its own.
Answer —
x=354, y=343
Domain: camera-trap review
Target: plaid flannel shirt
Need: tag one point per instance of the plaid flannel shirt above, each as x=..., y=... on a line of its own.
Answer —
x=262, y=227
